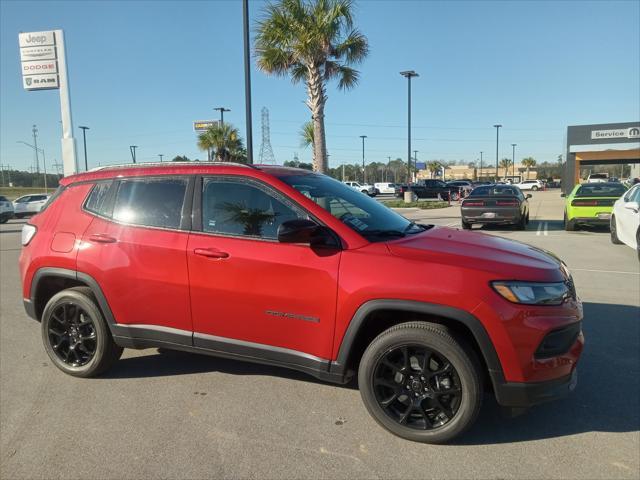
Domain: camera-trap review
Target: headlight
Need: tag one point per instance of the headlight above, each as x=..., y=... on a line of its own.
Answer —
x=532, y=293
x=28, y=232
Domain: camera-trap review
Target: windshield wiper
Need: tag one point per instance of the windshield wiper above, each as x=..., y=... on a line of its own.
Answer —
x=383, y=233
x=412, y=225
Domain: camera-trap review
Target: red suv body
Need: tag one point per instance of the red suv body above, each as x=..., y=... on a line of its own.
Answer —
x=287, y=267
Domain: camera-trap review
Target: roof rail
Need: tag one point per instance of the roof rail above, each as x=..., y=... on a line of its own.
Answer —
x=172, y=164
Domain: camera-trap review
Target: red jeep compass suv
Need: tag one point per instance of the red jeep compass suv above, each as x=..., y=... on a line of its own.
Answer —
x=291, y=268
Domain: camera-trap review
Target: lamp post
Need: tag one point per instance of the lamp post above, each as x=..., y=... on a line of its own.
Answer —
x=409, y=74
x=513, y=159
x=497, y=127
x=480, y=175
x=35, y=142
x=247, y=79
x=222, y=110
x=364, y=174
x=161, y=155
x=84, y=141
x=132, y=149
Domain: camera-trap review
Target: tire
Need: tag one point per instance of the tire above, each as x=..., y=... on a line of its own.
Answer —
x=454, y=196
x=83, y=319
x=522, y=223
x=614, y=231
x=569, y=225
x=4, y=220
x=534, y=188
x=466, y=225
x=432, y=416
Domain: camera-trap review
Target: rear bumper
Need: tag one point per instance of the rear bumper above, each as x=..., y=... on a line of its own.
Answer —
x=592, y=220
x=523, y=395
x=501, y=215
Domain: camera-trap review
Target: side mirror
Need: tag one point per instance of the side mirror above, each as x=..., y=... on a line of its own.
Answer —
x=308, y=232
x=529, y=195
x=632, y=206
x=563, y=194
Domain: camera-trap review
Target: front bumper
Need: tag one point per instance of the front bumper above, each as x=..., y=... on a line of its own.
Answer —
x=523, y=395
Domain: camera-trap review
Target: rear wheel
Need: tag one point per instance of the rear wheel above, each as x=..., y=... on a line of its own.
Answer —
x=522, y=223
x=534, y=188
x=454, y=196
x=569, y=225
x=614, y=231
x=466, y=225
x=419, y=383
x=75, y=334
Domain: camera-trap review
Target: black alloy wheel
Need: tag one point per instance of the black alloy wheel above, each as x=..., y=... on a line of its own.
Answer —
x=75, y=334
x=72, y=334
x=417, y=387
x=420, y=382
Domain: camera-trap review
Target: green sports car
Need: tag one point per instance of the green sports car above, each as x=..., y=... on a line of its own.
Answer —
x=591, y=204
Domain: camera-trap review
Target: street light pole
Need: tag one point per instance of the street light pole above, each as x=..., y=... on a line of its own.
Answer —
x=497, y=127
x=222, y=110
x=132, y=148
x=44, y=160
x=35, y=142
x=247, y=79
x=480, y=176
x=161, y=155
x=364, y=174
x=513, y=159
x=84, y=141
x=408, y=74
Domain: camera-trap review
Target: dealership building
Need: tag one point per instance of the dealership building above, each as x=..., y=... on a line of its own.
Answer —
x=600, y=144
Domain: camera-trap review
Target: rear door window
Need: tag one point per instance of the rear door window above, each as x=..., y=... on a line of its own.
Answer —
x=152, y=202
x=97, y=199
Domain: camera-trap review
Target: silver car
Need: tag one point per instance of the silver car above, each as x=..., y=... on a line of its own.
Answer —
x=28, y=205
x=6, y=209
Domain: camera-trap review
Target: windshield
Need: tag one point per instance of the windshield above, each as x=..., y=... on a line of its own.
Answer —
x=359, y=212
x=601, y=190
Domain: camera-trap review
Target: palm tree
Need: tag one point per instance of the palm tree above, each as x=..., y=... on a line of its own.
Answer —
x=506, y=164
x=306, y=138
x=528, y=162
x=312, y=41
x=434, y=167
x=221, y=141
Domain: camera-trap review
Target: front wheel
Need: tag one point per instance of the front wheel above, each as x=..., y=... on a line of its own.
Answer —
x=75, y=334
x=419, y=383
x=535, y=189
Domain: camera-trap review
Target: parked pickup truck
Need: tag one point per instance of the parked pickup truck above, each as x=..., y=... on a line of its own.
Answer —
x=430, y=189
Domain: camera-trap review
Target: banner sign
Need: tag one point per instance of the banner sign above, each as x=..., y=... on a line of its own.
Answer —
x=203, y=125
x=38, y=60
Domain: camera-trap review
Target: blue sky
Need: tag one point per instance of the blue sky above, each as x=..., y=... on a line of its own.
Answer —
x=141, y=72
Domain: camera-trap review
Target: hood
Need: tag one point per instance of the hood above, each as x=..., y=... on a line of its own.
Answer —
x=507, y=259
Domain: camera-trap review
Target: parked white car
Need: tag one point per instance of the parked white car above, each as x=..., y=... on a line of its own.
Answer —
x=598, y=178
x=29, y=204
x=385, y=188
x=530, y=185
x=362, y=187
x=625, y=219
x=6, y=209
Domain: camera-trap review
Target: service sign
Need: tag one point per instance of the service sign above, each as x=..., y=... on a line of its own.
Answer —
x=633, y=132
x=40, y=82
x=28, y=54
x=36, y=39
x=39, y=67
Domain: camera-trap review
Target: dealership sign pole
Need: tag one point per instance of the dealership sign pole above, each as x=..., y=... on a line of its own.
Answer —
x=44, y=67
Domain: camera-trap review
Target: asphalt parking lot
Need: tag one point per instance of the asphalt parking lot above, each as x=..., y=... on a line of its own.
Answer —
x=177, y=415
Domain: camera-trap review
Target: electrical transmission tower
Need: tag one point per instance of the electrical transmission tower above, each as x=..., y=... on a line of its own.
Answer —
x=266, y=152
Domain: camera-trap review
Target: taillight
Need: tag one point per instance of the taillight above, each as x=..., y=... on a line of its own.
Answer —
x=28, y=232
x=506, y=203
x=473, y=203
x=584, y=203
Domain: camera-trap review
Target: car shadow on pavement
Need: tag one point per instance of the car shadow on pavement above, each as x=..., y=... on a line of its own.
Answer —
x=605, y=400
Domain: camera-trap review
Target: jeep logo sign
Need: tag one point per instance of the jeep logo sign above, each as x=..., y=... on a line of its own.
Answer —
x=36, y=39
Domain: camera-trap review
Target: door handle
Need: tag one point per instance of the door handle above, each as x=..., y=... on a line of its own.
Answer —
x=211, y=253
x=102, y=238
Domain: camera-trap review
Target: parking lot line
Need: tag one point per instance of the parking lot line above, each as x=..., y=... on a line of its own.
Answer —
x=603, y=271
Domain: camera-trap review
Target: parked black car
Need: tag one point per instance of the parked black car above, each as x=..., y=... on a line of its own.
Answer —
x=431, y=189
x=496, y=204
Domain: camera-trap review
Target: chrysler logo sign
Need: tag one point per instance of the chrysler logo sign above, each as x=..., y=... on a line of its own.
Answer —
x=633, y=132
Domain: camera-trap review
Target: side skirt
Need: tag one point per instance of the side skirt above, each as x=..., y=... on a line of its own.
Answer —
x=152, y=336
